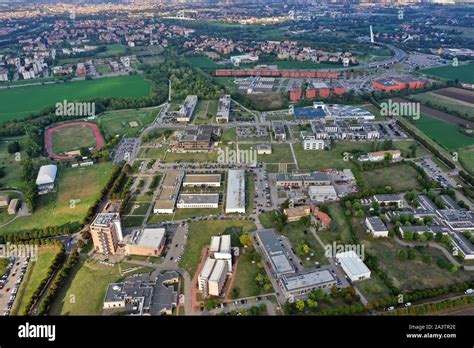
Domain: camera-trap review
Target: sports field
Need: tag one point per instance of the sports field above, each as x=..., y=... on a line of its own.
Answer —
x=126, y=122
x=22, y=101
x=464, y=73
x=77, y=189
x=445, y=134
x=73, y=138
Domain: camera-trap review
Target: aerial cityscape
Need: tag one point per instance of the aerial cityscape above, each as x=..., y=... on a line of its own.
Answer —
x=237, y=158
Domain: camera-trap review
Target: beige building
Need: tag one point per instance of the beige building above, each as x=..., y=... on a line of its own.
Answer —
x=147, y=242
x=106, y=232
x=4, y=201
x=212, y=278
x=13, y=206
x=297, y=213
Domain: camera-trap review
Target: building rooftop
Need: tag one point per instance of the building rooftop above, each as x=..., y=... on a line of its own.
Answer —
x=352, y=262
x=305, y=280
x=46, y=174
x=377, y=224
x=276, y=253
x=235, y=189
x=200, y=198
x=149, y=237
x=198, y=178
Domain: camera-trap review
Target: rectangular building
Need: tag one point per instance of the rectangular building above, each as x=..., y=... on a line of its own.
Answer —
x=297, y=213
x=106, y=232
x=322, y=193
x=200, y=201
x=148, y=242
x=235, y=199
x=223, y=109
x=303, y=283
x=274, y=253
x=211, y=180
x=354, y=267
x=376, y=226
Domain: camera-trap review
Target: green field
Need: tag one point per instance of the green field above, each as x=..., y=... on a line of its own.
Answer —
x=73, y=138
x=77, y=189
x=464, y=73
x=200, y=234
x=441, y=101
x=11, y=166
x=281, y=153
x=118, y=122
x=466, y=157
x=205, y=112
x=444, y=133
x=401, y=178
x=192, y=157
x=22, y=101
x=338, y=231
x=202, y=62
x=35, y=273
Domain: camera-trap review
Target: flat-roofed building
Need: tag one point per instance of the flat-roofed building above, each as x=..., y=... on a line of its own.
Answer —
x=13, y=206
x=388, y=199
x=274, y=253
x=223, y=109
x=235, y=199
x=297, y=213
x=166, y=201
x=322, y=193
x=353, y=266
x=197, y=139
x=279, y=130
x=311, y=143
x=381, y=155
x=217, y=278
x=264, y=149
x=220, y=249
x=303, y=283
x=376, y=227
x=4, y=201
x=106, y=232
x=198, y=201
x=302, y=179
x=187, y=110
x=204, y=275
x=211, y=180
x=147, y=242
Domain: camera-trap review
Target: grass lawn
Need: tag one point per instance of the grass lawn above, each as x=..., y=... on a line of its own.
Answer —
x=373, y=289
x=20, y=102
x=136, y=208
x=10, y=166
x=281, y=153
x=112, y=51
x=35, y=273
x=200, y=234
x=118, y=122
x=444, y=133
x=205, y=112
x=202, y=62
x=338, y=231
x=153, y=152
x=191, y=157
x=84, y=291
x=77, y=189
x=229, y=134
x=401, y=178
x=132, y=221
x=245, y=277
x=466, y=157
x=464, y=73
x=73, y=138
x=3, y=265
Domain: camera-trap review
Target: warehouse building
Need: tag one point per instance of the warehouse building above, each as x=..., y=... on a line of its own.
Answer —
x=376, y=227
x=304, y=283
x=165, y=204
x=211, y=180
x=303, y=179
x=275, y=254
x=322, y=193
x=46, y=178
x=200, y=201
x=354, y=267
x=235, y=200
x=146, y=242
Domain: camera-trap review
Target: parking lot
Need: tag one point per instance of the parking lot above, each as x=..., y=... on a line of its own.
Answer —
x=11, y=281
x=126, y=150
x=434, y=172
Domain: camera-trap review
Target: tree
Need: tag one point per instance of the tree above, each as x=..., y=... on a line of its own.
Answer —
x=411, y=254
x=300, y=305
x=85, y=152
x=312, y=303
x=80, y=244
x=14, y=147
x=245, y=240
x=402, y=255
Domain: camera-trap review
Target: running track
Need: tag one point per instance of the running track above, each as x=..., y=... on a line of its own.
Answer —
x=49, y=138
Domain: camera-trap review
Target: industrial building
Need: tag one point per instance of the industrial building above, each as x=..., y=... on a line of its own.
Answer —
x=106, y=232
x=146, y=242
x=302, y=179
x=166, y=201
x=376, y=227
x=353, y=266
x=210, y=180
x=275, y=254
x=304, y=283
x=397, y=84
x=323, y=193
x=46, y=178
x=235, y=198
x=200, y=201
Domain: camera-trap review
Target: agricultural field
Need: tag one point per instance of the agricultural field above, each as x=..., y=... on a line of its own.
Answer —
x=22, y=101
x=72, y=138
x=121, y=122
x=401, y=178
x=202, y=62
x=446, y=134
x=200, y=234
x=464, y=73
x=441, y=100
x=466, y=157
x=35, y=273
x=77, y=189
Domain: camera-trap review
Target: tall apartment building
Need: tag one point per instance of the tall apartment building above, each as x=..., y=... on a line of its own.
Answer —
x=212, y=278
x=106, y=232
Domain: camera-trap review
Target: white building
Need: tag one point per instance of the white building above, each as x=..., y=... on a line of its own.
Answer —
x=389, y=199
x=223, y=109
x=235, y=200
x=311, y=143
x=212, y=277
x=213, y=180
x=322, y=193
x=46, y=178
x=380, y=155
x=220, y=249
x=200, y=201
x=264, y=149
x=244, y=58
x=376, y=226
x=354, y=267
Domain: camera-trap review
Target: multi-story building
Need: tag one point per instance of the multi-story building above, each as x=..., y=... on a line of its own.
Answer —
x=223, y=109
x=106, y=232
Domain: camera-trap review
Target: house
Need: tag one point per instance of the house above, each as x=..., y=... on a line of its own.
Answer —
x=13, y=206
x=297, y=213
x=376, y=226
x=4, y=201
x=322, y=218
